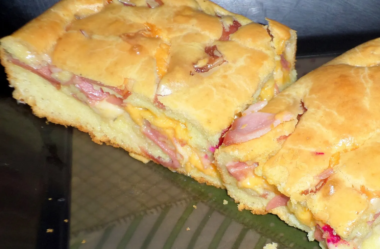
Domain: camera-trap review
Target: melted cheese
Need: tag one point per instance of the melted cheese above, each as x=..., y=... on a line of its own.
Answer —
x=162, y=58
x=190, y=159
x=302, y=213
x=139, y=157
x=255, y=183
x=281, y=76
x=176, y=131
x=267, y=92
x=168, y=126
x=151, y=31
x=334, y=160
x=62, y=76
x=107, y=110
x=195, y=160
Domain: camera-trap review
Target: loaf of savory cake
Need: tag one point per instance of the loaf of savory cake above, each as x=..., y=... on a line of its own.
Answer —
x=311, y=154
x=162, y=79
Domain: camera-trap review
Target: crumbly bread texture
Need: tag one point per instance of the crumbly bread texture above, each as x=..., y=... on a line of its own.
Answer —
x=327, y=161
x=159, y=52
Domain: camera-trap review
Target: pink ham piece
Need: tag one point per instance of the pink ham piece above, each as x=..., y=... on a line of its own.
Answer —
x=54, y=69
x=215, y=59
x=284, y=63
x=158, y=160
x=221, y=139
x=154, y=3
x=127, y=3
x=276, y=89
x=277, y=201
x=123, y=93
x=255, y=124
x=330, y=235
x=376, y=216
x=255, y=107
x=114, y=100
x=83, y=84
x=325, y=174
x=87, y=89
x=84, y=33
x=322, y=177
x=317, y=187
x=158, y=103
x=88, y=84
x=231, y=29
x=43, y=72
x=163, y=142
x=240, y=170
x=205, y=160
x=94, y=95
x=373, y=220
x=318, y=233
x=249, y=127
x=282, y=138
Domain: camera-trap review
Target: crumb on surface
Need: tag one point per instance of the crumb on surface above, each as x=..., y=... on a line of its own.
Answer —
x=188, y=229
x=195, y=206
x=270, y=246
x=83, y=241
x=49, y=230
x=225, y=202
x=50, y=199
x=66, y=220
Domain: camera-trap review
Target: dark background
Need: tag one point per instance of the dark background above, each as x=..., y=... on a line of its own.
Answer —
x=35, y=157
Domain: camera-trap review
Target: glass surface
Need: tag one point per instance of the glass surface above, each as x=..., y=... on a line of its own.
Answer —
x=119, y=202
x=35, y=161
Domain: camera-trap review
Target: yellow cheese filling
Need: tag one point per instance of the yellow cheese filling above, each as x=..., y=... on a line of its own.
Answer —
x=177, y=132
x=267, y=92
x=259, y=185
x=253, y=182
x=256, y=183
x=194, y=160
x=281, y=76
x=302, y=213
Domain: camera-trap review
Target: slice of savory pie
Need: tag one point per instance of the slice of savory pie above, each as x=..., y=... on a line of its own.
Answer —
x=162, y=79
x=311, y=155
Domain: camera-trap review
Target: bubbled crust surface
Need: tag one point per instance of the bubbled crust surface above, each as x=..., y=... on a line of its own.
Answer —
x=152, y=51
x=41, y=34
x=339, y=130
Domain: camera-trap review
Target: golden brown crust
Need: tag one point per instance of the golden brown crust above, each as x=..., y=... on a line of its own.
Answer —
x=342, y=114
x=337, y=134
x=41, y=34
x=162, y=45
x=280, y=33
x=242, y=207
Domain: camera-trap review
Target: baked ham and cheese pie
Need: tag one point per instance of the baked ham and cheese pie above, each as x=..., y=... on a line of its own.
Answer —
x=163, y=79
x=311, y=155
